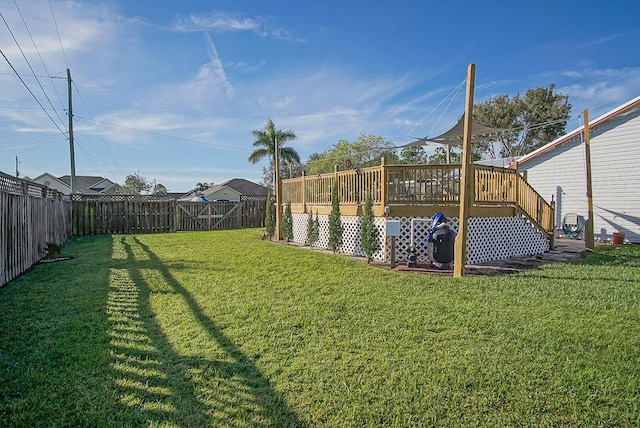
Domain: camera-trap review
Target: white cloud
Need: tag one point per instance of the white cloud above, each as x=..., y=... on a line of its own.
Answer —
x=600, y=90
x=226, y=22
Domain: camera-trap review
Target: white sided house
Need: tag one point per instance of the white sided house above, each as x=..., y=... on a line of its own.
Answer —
x=85, y=184
x=558, y=170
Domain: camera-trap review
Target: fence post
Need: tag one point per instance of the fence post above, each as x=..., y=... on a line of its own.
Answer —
x=304, y=192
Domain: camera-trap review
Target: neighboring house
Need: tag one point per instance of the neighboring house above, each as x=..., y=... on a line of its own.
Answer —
x=231, y=190
x=558, y=170
x=85, y=185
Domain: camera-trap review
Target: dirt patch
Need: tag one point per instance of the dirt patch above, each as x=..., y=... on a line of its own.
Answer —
x=52, y=260
x=565, y=250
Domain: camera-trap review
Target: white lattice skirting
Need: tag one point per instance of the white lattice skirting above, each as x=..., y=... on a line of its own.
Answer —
x=488, y=238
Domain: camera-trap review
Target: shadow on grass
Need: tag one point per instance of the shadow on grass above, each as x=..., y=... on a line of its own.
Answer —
x=607, y=259
x=613, y=255
x=159, y=383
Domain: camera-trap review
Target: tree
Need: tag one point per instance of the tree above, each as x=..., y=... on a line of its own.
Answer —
x=439, y=156
x=287, y=223
x=159, y=189
x=533, y=120
x=413, y=155
x=313, y=229
x=203, y=186
x=269, y=221
x=366, y=151
x=135, y=184
x=335, y=223
x=368, y=230
x=287, y=170
x=266, y=145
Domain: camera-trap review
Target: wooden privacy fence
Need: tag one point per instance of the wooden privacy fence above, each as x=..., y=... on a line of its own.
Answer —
x=123, y=214
x=128, y=214
x=249, y=212
x=31, y=215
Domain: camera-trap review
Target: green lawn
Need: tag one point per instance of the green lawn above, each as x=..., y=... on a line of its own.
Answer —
x=222, y=328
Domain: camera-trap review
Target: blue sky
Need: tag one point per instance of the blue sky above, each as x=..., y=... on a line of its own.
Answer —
x=173, y=89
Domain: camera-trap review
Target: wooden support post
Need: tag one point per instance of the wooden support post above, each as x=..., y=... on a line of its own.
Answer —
x=552, y=243
x=589, y=243
x=304, y=192
x=393, y=251
x=383, y=186
x=466, y=179
x=278, y=185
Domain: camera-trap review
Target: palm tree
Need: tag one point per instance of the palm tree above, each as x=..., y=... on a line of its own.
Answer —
x=266, y=143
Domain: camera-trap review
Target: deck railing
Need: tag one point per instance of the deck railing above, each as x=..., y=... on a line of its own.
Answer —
x=409, y=188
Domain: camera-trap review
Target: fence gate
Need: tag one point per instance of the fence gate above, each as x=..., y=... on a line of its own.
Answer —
x=117, y=214
x=248, y=212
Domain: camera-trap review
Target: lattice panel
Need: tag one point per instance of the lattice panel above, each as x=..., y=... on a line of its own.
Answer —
x=421, y=227
x=495, y=238
x=488, y=238
x=350, y=236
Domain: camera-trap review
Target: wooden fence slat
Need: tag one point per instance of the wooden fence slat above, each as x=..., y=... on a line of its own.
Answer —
x=30, y=216
x=155, y=214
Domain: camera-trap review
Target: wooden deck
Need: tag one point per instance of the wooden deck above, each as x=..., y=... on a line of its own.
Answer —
x=419, y=191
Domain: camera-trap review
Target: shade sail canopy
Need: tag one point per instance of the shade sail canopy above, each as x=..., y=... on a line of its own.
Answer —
x=455, y=135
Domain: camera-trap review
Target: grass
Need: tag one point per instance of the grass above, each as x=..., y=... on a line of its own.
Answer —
x=223, y=329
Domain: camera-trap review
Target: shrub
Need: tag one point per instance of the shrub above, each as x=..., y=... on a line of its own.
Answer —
x=269, y=221
x=287, y=223
x=368, y=230
x=313, y=229
x=52, y=249
x=335, y=223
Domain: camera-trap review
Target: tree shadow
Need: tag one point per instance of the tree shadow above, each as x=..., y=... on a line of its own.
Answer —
x=160, y=384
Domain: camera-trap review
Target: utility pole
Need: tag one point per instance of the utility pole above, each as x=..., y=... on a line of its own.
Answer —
x=17, y=170
x=71, y=150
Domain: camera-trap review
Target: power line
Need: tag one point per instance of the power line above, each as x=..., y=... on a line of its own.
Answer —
x=39, y=56
x=55, y=23
x=99, y=133
x=31, y=145
x=27, y=61
x=96, y=150
x=32, y=94
x=89, y=157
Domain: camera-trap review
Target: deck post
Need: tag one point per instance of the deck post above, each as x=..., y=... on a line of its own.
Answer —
x=466, y=179
x=552, y=240
x=588, y=230
x=304, y=193
x=516, y=180
x=383, y=186
x=278, y=184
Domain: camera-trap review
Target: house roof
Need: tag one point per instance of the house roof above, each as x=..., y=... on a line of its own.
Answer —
x=592, y=124
x=238, y=185
x=245, y=187
x=47, y=175
x=88, y=185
